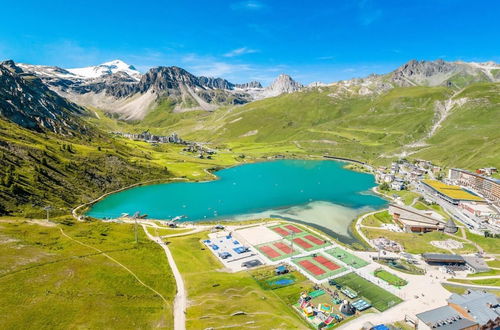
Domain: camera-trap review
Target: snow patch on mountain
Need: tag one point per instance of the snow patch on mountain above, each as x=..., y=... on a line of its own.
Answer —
x=107, y=68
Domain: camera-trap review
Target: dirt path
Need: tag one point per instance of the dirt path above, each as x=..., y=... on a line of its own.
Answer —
x=115, y=261
x=180, y=302
x=359, y=224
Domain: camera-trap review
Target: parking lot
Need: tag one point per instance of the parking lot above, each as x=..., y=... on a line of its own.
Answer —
x=235, y=255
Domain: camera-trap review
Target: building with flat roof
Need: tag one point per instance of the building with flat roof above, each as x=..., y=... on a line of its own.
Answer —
x=486, y=186
x=451, y=193
x=443, y=259
x=413, y=220
x=481, y=211
x=476, y=264
x=445, y=318
x=478, y=306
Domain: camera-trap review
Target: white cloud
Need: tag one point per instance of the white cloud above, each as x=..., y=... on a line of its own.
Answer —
x=325, y=58
x=248, y=5
x=240, y=51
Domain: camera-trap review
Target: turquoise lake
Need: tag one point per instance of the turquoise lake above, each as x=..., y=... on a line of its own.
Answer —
x=321, y=193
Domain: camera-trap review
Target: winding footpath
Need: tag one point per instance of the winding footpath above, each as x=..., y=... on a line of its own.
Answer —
x=180, y=302
x=115, y=261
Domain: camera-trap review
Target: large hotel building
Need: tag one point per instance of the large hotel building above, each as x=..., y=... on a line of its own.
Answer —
x=488, y=187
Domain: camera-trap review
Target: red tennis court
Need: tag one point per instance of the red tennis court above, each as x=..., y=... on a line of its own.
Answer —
x=281, y=231
x=293, y=228
x=302, y=243
x=269, y=251
x=315, y=240
x=309, y=266
x=327, y=263
x=283, y=247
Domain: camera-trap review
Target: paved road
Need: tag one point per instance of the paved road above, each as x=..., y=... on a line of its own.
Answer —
x=180, y=302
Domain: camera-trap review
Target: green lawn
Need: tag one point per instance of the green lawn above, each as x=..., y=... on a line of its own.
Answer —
x=494, y=263
x=488, y=282
x=489, y=244
x=265, y=277
x=406, y=196
x=463, y=289
x=378, y=297
x=390, y=278
x=413, y=243
x=50, y=281
x=347, y=257
x=377, y=219
x=403, y=266
x=491, y=272
x=214, y=294
x=166, y=231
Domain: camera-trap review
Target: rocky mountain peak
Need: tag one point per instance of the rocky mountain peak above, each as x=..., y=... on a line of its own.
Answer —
x=27, y=101
x=282, y=84
x=249, y=85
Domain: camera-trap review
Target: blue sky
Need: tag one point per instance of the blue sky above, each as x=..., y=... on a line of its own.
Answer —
x=251, y=39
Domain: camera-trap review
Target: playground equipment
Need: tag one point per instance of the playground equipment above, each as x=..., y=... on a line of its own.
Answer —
x=325, y=308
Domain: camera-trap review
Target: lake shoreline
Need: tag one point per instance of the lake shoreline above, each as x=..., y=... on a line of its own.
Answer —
x=344, y=193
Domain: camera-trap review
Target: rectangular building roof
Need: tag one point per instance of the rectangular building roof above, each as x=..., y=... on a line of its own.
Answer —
x=445, y=318
x=443, y=257
x=477, y=263
x=483, y=306
x=453, y=192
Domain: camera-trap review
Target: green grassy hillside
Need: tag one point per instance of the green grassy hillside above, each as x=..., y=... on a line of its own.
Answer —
x=470, y=136
x=45, y=169
x=50, y=281
x=370, y=128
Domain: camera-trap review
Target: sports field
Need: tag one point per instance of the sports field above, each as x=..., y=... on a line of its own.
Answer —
x=300, y=237
x=390, y=278
x=319, y=266
x=277, y=250
x=378, y=297
x=346, y=257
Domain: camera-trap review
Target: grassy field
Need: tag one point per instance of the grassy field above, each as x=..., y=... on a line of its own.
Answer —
x=390, y=278
x=348, y=258
x=488, y=244
x=494, y=263
x=434, y=207
x=414, y=243
x=403, y=266
x=491, y=272
x=377, y=219
x=210, y=290
x=50, y=281
x=406, y=196
x=265, y=276
x=379, y=298
x=488, y=282
x=167, y=231
x=463, y=289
